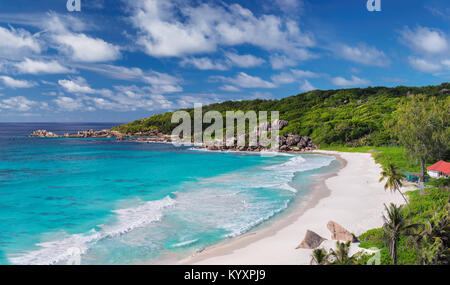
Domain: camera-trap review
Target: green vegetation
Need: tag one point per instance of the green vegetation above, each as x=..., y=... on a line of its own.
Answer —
x=423, y=245
x=345, y=117
x=393, y=182
x=339, y=256
x=422, y=128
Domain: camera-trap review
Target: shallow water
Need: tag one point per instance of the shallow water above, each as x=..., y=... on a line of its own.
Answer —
x=126, y=202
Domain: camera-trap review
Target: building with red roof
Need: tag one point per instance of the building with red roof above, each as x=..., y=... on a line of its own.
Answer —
x=439, y=169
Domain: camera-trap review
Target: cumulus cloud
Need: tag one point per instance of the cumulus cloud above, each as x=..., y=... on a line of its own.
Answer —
x=246, y=60
x=430, y=46
x=426, y=40
x=17, y=42
x=424, y=64
x=244, y=80
x=30, y=66
x=229, y=88
x=79, y=85
x=16, y=83
x=80, y=47
x=77, y=45
x=204, y=63
x=363, y=54
x=163, y=82
x=354, y=81
x=231, y=59
x=18, y=103
x=292, y=76
x=170, y=29
x=70, y=104
x=307, y=86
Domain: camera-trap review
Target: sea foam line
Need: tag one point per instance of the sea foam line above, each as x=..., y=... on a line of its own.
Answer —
x=128, y=219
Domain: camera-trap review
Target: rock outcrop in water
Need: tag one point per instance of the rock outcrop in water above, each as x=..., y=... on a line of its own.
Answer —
x=150, y=136
x=44, y=134
x=290, y=142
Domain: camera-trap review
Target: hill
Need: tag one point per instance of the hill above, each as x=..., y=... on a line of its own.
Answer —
x=347, y=117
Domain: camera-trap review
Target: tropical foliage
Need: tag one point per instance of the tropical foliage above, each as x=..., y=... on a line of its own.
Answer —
x=393, y=180
x=351, y=117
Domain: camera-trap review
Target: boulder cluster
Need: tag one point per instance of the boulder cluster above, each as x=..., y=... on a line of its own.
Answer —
x=140, y=136
x=313, y=240
x=290, y=142
x=44, y=134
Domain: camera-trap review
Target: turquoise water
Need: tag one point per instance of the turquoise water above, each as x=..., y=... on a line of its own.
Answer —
x=124, y=202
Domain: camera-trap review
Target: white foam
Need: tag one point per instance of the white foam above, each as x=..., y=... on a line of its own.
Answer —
x=128, y=219
x=184, y=243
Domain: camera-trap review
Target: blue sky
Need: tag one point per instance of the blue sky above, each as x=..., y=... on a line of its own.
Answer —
x=121, y=60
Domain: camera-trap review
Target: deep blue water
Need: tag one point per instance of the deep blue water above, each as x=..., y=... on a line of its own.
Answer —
x=126, y=202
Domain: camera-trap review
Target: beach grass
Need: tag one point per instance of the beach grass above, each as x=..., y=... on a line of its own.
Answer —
x=382, y=155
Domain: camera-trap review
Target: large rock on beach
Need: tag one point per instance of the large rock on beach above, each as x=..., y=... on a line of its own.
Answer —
x=338, y=232
x=292, y=139
x=311, y=240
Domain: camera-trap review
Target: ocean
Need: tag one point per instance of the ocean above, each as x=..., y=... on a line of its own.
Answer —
x=102, y=201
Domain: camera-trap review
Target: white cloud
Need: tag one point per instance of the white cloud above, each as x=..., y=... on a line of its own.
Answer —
x=246, y=60
x=307, y=86
x=424, y=65
x=16, y=83
x=244, y=80
x=18, y=103
x=446, y=63
x=354, y=81
x=281, y=61
x=38, y=67
x=70, y=104
x=86, y=49
x=204, y=63
x=64, y=33
x=362, y=54
x=289, y=6
x=163, y=82
x=292, y=76
x=17, y=43
x=229, y=88
x=79, y=85
x=426, y=40
x=174, y=29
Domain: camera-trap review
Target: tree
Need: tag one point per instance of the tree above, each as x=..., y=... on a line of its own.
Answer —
x=341, y=255
x=394, y=226
x=394, y=181
x=422, y=127
x=435, y=238
x=319, y=256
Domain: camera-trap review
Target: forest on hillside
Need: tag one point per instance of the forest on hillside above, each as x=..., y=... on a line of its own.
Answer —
x=345, y=117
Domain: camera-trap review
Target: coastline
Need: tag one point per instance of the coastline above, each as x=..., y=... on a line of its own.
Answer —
x=350, y=195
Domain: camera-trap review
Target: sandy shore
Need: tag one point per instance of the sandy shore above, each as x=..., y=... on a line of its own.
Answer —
x=352, y=197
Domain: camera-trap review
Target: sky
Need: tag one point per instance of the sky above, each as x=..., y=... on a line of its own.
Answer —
x=122, y=60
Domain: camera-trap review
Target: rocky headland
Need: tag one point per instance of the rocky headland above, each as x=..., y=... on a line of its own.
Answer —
x=289, y=142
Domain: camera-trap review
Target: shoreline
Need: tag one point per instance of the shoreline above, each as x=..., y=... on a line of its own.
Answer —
x=332, y=196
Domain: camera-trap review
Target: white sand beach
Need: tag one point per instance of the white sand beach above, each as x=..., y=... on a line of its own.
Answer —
x=353, y=198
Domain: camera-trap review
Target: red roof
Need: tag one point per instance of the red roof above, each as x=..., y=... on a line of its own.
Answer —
x=440, y=166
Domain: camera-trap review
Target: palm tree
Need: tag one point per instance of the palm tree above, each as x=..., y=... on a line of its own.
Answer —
x=341, y=256
x=394, y=226
x=394, y=181
x=319, y=256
